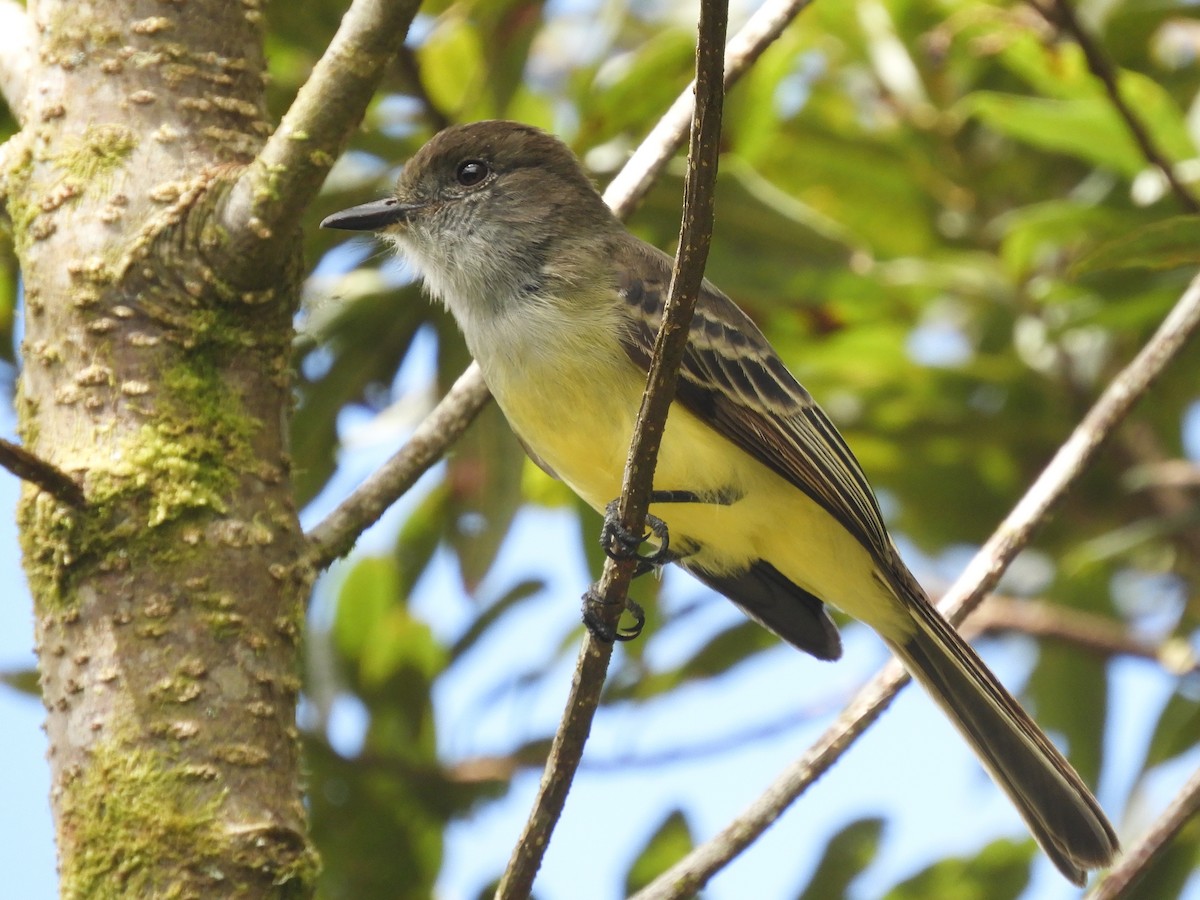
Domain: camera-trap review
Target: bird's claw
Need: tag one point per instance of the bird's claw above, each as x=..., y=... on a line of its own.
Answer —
x=620, y=543
x=593, y=617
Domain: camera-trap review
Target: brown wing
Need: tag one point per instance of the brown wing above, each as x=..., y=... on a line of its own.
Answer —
x=732, y=378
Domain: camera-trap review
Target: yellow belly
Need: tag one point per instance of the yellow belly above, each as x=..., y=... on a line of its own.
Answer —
x=579, y=423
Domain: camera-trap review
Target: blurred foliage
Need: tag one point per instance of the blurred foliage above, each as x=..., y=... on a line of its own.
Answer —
x=670, y=843
x=848, y=852
x=944, y=226
x=999, y=871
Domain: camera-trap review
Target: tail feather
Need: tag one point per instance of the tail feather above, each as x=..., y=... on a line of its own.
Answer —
x=1059, y=809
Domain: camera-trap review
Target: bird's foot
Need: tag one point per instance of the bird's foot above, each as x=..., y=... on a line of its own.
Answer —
x=593, y=617
x=620, y=543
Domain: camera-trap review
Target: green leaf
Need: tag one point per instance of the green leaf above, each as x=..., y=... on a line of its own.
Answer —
x=511, y=26
x=1175, y=731
x=670, y=842
x=370, y=589
x=419, y=538
x=1159, y=114
x=400, y=644
x=846, y=854
x=636, y=86
x=374, y=630
x=1060, y=71
x=452, y=67
x=378, y=836
x=1044, y=236
x=1086, y=128
x=1056, y=70
x=880, y=193
x=24, y=681
x=484, y=480
x=999, y=872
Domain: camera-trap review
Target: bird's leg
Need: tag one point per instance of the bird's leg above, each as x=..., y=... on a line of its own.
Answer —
x=620, y=543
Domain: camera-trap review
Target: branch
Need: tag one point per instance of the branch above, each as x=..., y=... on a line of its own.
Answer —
x=627, y=188
x=37, y=471
x=1176, y=474
x=336, y=534
x=1139, y=857
x=1140, y=448
x=269, y=197
x=18, y=52
x=980, y=576
x=630, y=185
x=686, y=277
x=1099, y=65
x=1097, y=634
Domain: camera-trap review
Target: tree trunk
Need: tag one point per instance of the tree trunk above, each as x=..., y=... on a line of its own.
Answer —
x=156, y=372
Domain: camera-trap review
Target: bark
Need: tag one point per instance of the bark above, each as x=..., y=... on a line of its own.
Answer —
x=156, y=372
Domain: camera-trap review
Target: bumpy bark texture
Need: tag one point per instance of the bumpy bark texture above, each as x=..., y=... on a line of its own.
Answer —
x=168, y=609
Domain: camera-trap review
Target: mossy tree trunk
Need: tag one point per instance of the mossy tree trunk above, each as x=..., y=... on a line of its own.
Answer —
x=156, y=372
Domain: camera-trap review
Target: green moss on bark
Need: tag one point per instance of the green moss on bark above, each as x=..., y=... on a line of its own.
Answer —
x=194, y=454
x=147, y=502
x=129, y=810
x=98, y=152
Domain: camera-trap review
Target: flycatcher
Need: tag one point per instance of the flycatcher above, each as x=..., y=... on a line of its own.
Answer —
x=560, y=306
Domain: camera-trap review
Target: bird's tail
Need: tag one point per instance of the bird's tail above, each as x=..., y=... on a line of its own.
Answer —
x=1055, y=803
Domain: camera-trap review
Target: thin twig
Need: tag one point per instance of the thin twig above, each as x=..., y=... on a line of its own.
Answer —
x=18, y=53
x=1134, y=863
x=1139, y=447
x=1100, y=66
x=1177, y=474
x=622, y=195
x=336, y=534
x=1100, y=635
x=267, y=200
x=686, y=276
x=980, y=576
x=37, y=471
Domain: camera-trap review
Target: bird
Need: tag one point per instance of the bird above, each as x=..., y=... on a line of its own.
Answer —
x=761, y=497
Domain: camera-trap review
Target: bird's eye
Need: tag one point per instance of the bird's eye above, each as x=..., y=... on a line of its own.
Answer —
x=471, y=171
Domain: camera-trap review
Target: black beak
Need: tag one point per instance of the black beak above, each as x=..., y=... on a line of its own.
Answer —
x=370, y=216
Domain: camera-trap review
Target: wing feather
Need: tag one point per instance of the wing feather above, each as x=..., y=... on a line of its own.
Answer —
x=732, y=378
